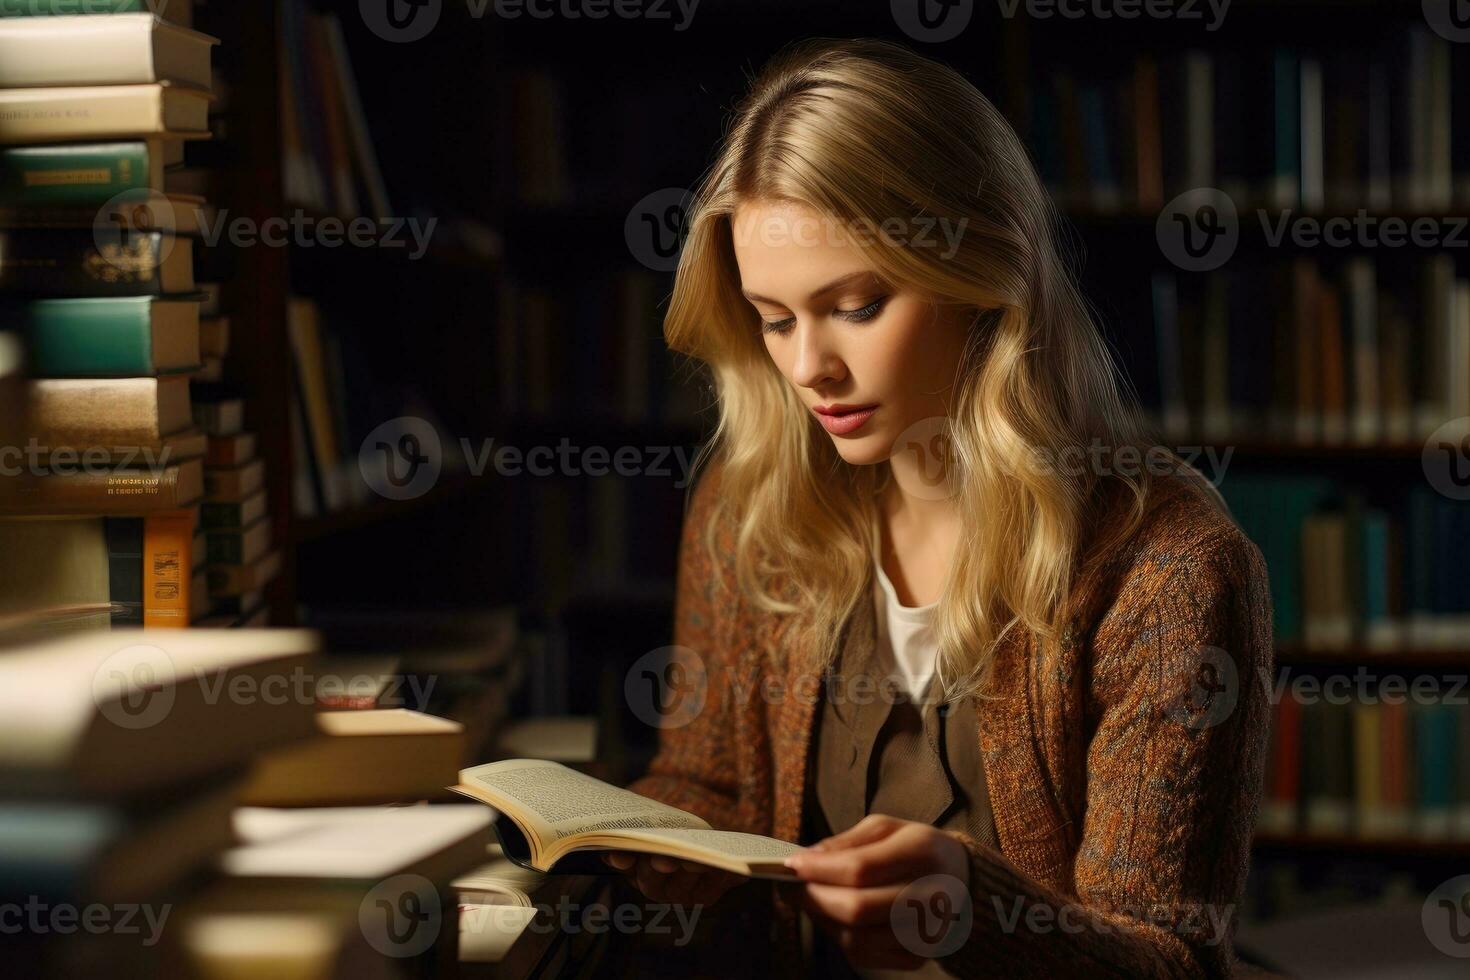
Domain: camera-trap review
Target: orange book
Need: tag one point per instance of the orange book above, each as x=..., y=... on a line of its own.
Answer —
x=168, y=543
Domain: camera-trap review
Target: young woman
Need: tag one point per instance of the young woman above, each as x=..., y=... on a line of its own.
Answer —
x=960, y=628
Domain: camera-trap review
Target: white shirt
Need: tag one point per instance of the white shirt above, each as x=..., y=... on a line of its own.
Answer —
x=907, y=648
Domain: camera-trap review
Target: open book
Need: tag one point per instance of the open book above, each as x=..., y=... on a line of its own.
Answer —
x=560, y=811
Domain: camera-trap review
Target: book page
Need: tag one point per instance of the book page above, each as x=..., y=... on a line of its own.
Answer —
x=555, y=802
x=725, y=848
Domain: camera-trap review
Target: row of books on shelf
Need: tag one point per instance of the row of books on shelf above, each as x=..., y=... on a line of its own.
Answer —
x=601, y=351
x=1385, y=769
x=1363, y=126
x=330, y=162
x=140, y=501
x=1299, y=353
x=253, y=826
x=1348, y=571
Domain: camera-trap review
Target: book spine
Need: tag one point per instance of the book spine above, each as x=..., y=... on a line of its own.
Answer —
x=84, y=175
x=87, y=338
x=116, y=412
x=71, y=265
x=1285, y=187
x=100, y=493
x=57, y=114
x=222, y=514
x=233, y=482
x=235, y=546
x=230, y=450
x=67, y=8
x=168, y=540
x=125, y=569
x=106, y=51
x=232, y=580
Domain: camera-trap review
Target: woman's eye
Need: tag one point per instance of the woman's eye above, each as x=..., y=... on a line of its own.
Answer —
x=862, y=313
x=779, y=326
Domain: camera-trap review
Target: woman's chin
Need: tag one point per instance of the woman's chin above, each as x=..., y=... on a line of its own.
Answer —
x=865, y=450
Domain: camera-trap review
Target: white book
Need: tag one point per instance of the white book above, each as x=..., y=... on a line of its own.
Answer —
x=366, y=843
x=120, y=49
x=81, y=112
x=107, y=712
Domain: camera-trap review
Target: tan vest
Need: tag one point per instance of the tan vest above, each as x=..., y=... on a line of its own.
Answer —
x=877, y=752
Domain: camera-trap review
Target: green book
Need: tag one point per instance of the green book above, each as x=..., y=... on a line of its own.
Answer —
x=1434, y=783
x=67, y=8
x=82, y=174
x=121, y=337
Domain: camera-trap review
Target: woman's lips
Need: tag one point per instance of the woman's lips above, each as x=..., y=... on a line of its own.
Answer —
x=845, y=421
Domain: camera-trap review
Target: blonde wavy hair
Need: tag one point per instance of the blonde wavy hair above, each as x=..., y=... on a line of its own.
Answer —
x=861, y=132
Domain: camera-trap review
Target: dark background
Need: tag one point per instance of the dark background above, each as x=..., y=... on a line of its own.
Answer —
x=533, y=140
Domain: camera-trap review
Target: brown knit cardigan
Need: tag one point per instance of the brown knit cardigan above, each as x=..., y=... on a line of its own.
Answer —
x=1124, y=769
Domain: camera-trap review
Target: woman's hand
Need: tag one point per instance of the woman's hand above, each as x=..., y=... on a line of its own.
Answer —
x=854, y=878
x=665, y=879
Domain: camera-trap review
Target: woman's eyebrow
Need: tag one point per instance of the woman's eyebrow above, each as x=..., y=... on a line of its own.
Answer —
x=834, y=284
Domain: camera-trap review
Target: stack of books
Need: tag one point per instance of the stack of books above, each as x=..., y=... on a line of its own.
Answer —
x=96, y=272
x=122, y=760
x=466, y=665
x=238, y=551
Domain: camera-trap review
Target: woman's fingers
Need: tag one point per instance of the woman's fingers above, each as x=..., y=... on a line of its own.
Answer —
x=852, y=906
x=873, y=827
x=900, y=856
x=663, y=879
x=621, y=860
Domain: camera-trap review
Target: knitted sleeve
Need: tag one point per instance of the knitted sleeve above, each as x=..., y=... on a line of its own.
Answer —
x=1179, y=690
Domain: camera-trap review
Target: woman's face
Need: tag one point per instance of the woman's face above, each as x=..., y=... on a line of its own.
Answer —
x=870, y=361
